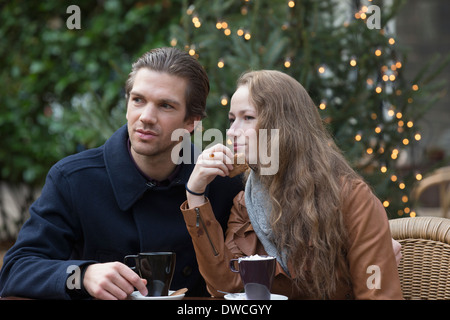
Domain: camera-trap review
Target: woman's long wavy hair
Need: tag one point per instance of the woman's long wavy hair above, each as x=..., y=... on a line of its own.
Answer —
x=306, y=192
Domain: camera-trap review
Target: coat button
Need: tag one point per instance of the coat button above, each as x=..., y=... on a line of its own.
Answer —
x=187, y=271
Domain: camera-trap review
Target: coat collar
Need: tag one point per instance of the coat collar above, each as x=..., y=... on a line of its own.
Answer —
x=127, y=182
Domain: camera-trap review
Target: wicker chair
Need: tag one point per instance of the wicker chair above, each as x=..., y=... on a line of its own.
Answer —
x=439, y=178
x=425, y=266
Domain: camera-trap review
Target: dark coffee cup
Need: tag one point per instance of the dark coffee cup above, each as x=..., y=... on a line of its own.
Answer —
x=257, y=273
x=157, y=268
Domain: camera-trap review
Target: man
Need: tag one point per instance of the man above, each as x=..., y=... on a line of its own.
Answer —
x=121, y=198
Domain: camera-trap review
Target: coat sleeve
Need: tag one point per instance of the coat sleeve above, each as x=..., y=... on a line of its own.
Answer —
x=372, y=263
x=212, y=249
x=39, y=265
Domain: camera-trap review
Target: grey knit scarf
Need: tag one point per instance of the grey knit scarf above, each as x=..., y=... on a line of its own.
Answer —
x=258, y=208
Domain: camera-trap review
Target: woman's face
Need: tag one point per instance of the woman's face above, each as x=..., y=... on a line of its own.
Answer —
x=242, y=135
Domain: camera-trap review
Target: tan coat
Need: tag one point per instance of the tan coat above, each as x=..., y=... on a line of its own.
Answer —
x=370, y=244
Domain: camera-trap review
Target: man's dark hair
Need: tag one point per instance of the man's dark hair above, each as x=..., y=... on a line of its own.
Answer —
x=178, y=63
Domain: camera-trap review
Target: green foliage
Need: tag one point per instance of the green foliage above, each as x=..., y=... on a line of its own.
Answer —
x=316, y=42
x=62, y=89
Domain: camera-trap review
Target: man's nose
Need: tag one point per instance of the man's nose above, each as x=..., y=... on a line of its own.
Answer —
x=148, y=114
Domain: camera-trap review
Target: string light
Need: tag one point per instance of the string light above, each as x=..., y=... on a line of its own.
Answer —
x=394, y=154
x=247, y=36
x=353, y=62
x=196, y=22
x=224, y=100
x=321, y=69
x=221, y=63
x=417, y=136
x=322, y=105
x=190, y=10
x=287, y=63
x=291, y=4
x=378, y=52
x=415, y=87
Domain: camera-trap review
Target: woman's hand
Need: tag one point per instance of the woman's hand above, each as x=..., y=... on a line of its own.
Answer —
x=212, y=162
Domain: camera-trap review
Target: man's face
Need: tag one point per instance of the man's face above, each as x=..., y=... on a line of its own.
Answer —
x=156, y=107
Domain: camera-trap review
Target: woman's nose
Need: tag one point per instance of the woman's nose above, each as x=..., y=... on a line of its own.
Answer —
x=235, y=128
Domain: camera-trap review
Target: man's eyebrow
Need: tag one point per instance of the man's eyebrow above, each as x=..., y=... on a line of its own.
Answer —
x=163, y=100
x=171, y=101
x=136, y=93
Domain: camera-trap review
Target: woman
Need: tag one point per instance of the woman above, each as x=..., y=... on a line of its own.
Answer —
x=329, y=232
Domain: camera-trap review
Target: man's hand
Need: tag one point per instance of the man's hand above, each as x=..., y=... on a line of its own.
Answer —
x=112, y=281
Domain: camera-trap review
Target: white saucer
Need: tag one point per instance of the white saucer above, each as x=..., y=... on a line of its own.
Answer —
x=241, y=296
x=136, y=295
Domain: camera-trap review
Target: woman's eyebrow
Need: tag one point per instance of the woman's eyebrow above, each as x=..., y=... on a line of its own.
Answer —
x=241, y=112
